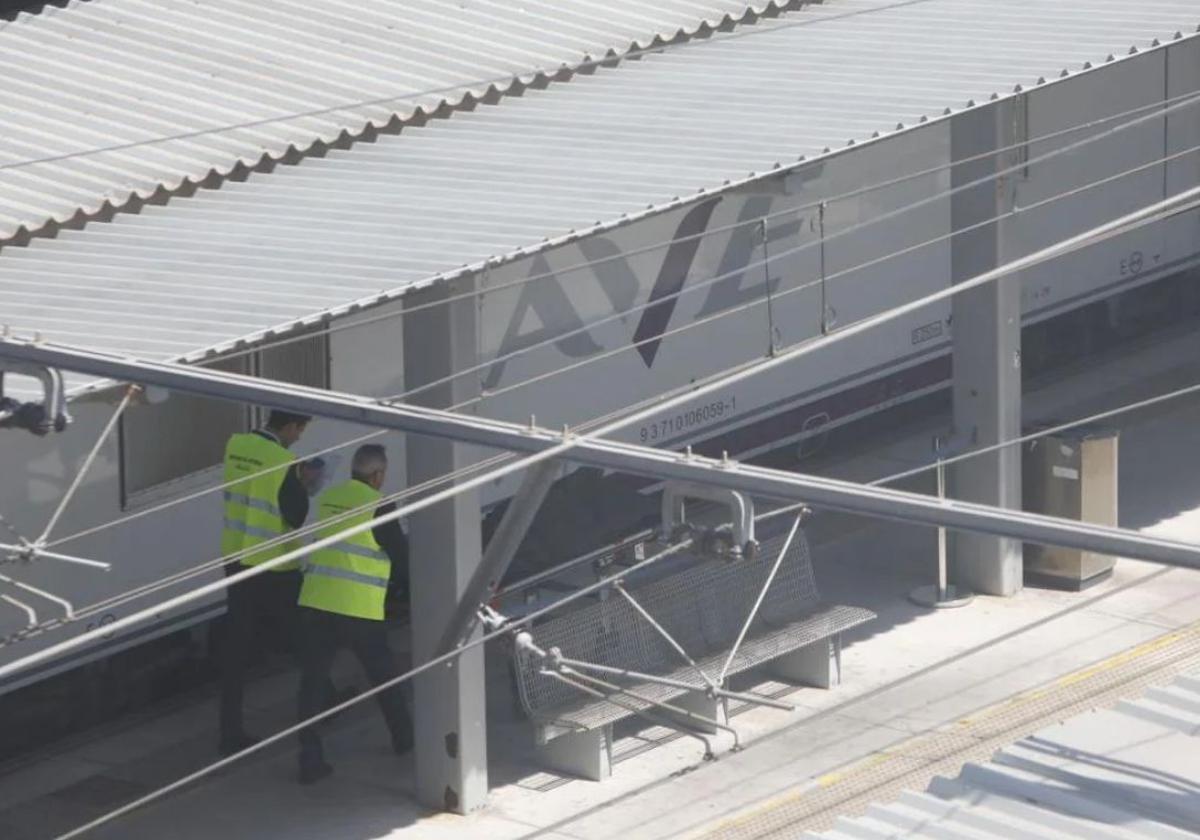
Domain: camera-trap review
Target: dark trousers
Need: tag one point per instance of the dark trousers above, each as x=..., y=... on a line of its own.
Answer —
x=260, y=611
x=323, y=633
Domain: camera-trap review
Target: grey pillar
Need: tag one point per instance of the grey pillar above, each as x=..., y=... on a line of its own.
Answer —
x=444, y=542
x=986, y=329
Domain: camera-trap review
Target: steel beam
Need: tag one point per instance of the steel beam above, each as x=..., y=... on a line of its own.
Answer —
x=828, y=493
x=593, y=450
x=501, y=549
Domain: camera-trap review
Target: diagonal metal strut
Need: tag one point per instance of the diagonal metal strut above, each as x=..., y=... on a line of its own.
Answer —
x=662, y=631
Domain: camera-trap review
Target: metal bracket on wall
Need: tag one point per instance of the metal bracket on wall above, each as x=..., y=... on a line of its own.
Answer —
x=39, y=418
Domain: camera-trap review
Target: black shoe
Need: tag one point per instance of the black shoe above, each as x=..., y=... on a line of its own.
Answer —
x=315, y=772
x=235, y=744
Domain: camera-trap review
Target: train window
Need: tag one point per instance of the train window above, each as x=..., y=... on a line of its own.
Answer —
x=164, y=444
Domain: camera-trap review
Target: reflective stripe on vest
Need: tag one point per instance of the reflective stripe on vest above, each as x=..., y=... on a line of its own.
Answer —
x=255, y=469
x=263, y=534
x=349, y=577
x=260, y=504
x=345, y=574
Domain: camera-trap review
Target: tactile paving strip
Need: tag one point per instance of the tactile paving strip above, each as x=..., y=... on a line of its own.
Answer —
x=911, y=764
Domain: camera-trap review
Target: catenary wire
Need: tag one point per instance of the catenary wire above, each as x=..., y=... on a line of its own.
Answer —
x=1064, y=246
x=899, y=4
x=508, y=628
x=682, y=328
x=1133, y=221
x=980, y=181
x=371, y=692
x=170, y=503
x=211, y=565
x=82, y=472
x=525, y=583
x=1149, y=214
x=306, y=530
x=1107, y=414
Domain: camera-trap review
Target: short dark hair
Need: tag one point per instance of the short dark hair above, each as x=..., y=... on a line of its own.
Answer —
x=368, y=459
x=277, y=419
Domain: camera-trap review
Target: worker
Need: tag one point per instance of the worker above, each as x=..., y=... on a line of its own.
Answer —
x=266, y=495
x=342, y=603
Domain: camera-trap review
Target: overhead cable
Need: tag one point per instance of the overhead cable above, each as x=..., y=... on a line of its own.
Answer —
x=558, y=447
x=729, y=312
x=449, y=656
x=284, y=539
x=704, y=321
x=507, y=629
x=181, y=576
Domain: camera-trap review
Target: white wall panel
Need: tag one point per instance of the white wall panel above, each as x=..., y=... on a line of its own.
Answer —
x=1055, y=199
x=1182, y=233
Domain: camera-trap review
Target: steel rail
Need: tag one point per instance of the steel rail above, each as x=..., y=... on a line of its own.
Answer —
x=495, y=434
x=597, y=452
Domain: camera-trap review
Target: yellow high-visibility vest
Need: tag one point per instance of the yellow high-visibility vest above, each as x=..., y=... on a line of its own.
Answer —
x=351, y=576
x=252, y=514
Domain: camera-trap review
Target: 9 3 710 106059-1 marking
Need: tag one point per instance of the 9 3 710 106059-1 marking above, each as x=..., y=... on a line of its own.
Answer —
x=691, y=418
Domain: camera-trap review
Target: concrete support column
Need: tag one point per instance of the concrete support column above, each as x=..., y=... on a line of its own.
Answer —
x=444, y=541
x=986, y=329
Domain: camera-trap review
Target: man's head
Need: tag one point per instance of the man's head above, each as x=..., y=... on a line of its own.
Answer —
x=287, y=426
x=369, y=465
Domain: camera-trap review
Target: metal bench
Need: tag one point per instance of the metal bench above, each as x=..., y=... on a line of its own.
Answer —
x=635, y=669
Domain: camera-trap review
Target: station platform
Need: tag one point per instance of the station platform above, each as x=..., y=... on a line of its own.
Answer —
x=909, y=678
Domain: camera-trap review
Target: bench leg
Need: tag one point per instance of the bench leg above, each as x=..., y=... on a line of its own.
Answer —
x=700, y=703
x=810, y=665
x=587, y=755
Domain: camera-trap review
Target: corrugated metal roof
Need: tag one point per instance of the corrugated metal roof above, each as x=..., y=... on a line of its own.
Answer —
x=112, y=74
x=1129, y=772
x=360, y=226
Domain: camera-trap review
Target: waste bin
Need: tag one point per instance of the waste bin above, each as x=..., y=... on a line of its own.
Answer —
x=1073, y=475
